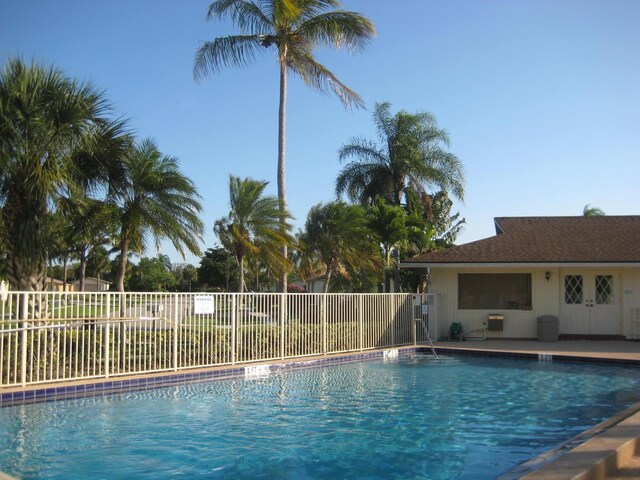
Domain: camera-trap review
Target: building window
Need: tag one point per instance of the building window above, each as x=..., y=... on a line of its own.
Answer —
x=573, y=290
x=604, y=289
x=484, y=291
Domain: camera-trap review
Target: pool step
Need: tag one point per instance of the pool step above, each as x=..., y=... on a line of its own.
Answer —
x=612, y=454
x=629, y=469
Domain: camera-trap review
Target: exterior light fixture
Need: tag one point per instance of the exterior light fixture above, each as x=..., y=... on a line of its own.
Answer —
x=547, y=275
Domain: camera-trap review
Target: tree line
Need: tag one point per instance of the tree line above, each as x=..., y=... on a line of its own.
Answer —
x=77, y=186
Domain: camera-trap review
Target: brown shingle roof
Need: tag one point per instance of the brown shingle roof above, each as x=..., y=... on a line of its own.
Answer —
x=605, y=239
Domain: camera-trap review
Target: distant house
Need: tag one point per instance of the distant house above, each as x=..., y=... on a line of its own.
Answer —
x=313, y=284
x=55, y=285
x=92, y=284
x=583, y=270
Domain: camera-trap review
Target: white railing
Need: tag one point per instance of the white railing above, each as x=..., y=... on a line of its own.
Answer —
x=55, y=336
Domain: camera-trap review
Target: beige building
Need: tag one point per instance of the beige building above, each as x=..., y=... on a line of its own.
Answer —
x=584, y=271
x=92, y=284
x=55, y=285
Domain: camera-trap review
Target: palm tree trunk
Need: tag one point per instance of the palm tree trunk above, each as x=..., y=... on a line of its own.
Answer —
x=26, y=270
x=282, y=120
x=65, y=272
x=398, y=194
x=387, y=269
x=327, y=279
x=122, y=265
x=241, y=275
x=83, y=267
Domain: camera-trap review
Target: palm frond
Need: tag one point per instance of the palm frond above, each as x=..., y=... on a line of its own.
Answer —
x=247, y=15
x=234, y=50
x=337, y=29
x=363, y=150
x=319, y=78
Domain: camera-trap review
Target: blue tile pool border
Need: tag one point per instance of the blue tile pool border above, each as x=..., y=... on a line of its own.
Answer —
x=50, y=393
x=556, y=357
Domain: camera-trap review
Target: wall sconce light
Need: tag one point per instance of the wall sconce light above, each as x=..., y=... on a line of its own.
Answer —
x=547, y=275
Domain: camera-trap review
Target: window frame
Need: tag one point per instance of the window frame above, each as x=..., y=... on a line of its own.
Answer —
x=498, y=298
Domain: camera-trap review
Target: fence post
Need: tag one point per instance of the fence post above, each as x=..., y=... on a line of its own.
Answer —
x=391, y=324
x=361, y=320
x=413, y=318
x=283, y=306
x=176, y=320
x=324, y=323
x=433, y=314
x=233, y=328
x=107, y=337
x=23, y=353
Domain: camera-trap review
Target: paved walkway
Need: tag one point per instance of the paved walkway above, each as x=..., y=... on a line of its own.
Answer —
x=618, y=349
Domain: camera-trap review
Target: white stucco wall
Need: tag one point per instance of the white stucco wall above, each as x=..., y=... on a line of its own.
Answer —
x=517, y=323
x=631, y=302
x=547, y=298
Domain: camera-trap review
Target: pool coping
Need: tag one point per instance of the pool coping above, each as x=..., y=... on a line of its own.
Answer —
x=589, y=455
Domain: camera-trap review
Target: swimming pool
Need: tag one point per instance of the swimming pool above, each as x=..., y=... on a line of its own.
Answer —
x=459, y=417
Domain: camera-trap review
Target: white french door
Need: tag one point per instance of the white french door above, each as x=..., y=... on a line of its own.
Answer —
x=590, y=303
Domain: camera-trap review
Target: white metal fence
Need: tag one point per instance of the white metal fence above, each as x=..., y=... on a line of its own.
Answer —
x=50, y=336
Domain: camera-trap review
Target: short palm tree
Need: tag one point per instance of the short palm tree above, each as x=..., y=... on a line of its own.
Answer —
x=390, y=224
x=255, y=227
x=45, y=119
x=98, y=262
x=337, y=237
x=154, y=199
x=409, y=155
x=294, y=28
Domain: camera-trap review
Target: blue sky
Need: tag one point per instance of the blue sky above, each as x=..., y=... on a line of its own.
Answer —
x=541, y=98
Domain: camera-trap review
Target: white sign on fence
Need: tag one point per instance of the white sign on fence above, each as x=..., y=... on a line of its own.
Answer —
x=203, y=304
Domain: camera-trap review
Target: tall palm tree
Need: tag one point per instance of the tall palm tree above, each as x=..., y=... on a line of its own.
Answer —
x=154, y=199
x=337, y=236
x=255, y=226
x=294, y=28
x=45, y=118
x=409, y=155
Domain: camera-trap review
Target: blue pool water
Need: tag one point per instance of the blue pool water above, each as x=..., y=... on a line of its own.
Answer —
x=456, y=418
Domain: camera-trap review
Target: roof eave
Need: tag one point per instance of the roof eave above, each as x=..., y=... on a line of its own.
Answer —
x=421, y=265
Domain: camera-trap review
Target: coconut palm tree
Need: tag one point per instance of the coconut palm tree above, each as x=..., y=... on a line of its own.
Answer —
x=45, y=119
x=87, y=225
x=389, y=224
x=590, y=211
x=255, y=226
x=294, y=28
x=98, y=262
x=409, y=155
x=337, y=236
x=154, y=199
